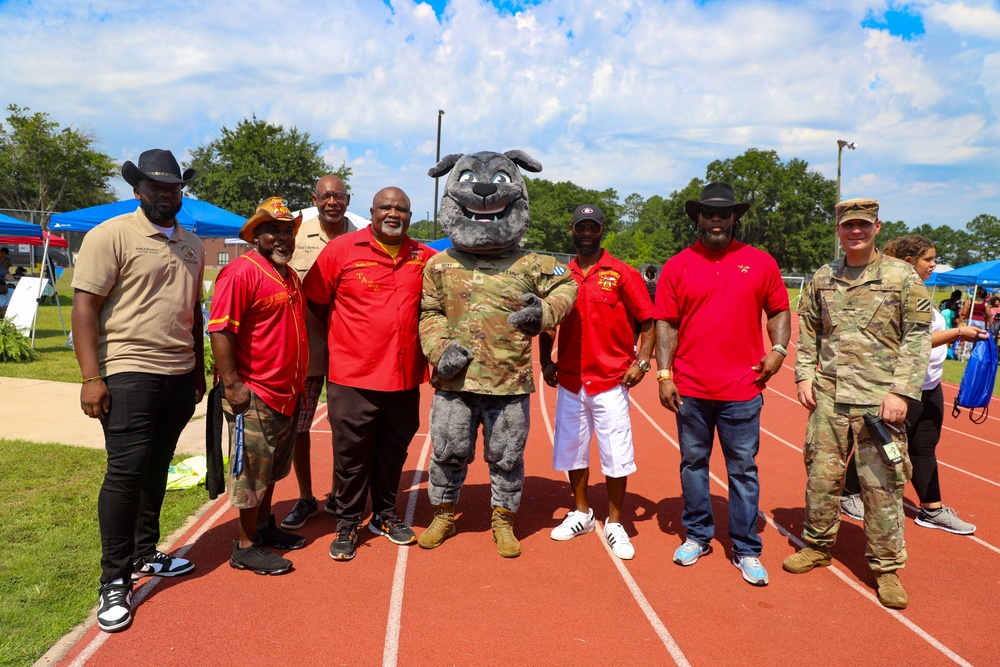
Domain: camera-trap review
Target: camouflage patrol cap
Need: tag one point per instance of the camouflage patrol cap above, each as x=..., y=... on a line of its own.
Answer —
x=857, y=209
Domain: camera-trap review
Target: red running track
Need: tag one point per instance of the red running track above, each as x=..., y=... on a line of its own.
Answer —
x=573, y=602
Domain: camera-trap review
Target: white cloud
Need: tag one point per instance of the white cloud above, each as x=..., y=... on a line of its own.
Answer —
x=637, y=96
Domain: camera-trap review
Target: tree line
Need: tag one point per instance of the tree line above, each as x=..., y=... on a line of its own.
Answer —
x=49, y=168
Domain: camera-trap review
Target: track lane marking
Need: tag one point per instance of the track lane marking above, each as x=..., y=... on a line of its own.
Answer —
x=393, y=626
x=940, y=462
x=647, y=609
x=916, y=629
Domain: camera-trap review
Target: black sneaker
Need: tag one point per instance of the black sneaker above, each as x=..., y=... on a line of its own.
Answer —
x=329, y=506
x=300, y=513
x=114, y=612
x=393, y=528
x=272, y=536
x=342, y=548
x=258, y=560
x=159, y=564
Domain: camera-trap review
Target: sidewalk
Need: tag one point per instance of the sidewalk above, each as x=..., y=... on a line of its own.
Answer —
x=44, y=411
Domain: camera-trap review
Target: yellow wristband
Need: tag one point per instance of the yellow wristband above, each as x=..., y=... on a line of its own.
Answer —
x=780, y=349
x=665, y=374
x=89, y=380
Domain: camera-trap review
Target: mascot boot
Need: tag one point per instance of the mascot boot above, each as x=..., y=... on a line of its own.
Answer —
x=441, y=528
x=503, y=533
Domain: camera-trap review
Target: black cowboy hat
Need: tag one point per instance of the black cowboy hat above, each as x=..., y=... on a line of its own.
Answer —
x=716, y=194
x=156, y=164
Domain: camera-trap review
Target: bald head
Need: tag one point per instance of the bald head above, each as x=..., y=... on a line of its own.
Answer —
x=331, y=200
x=390, y=216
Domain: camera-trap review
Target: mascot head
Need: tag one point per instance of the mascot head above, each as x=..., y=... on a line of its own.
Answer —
x=484, y=208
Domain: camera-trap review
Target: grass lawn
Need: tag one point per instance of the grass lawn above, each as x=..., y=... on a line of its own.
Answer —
x=51, y=549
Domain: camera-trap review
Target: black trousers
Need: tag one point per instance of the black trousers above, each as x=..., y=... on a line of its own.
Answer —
x=148, y=413
x=371, y=433
x=924, y=419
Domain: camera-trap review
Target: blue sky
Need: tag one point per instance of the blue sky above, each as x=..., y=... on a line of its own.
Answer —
x=639, y=96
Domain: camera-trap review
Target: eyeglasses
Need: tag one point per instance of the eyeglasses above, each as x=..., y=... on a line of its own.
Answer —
x=323, y=197
x=709, y=212
x=585, y=226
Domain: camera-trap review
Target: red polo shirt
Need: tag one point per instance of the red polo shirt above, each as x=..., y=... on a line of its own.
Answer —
x=596, y=340
x=716, y=300
x=267, y=314
x=374, y=311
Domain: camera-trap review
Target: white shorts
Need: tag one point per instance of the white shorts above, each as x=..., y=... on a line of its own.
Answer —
x=579, y=416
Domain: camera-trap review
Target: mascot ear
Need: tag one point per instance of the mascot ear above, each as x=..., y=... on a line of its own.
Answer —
x=444, y=166
x=523, y=160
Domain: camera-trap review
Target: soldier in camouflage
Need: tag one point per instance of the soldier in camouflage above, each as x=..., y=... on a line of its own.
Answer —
x=863, y=347
x=483, y=300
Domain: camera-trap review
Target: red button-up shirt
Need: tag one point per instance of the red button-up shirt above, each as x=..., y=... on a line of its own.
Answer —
x=374, y=311
x=267, y=314
x=596, y=340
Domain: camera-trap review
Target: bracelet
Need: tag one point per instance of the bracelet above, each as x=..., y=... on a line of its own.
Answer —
x=89, y=380
x=780, y=349
x=663, y=375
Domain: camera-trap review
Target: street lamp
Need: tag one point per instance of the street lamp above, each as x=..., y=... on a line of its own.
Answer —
x=436, y=160
x=841, y=145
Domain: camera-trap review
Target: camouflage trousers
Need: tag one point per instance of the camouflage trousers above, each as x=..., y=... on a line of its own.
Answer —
x=268, y=441
x=455, y=421
x=833, y=430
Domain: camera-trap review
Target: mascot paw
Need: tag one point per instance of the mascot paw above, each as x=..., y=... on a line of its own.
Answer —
x=528, y=320
x=453, y=360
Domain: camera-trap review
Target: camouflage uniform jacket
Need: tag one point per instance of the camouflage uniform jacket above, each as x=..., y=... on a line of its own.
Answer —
x=861, y=340
x=467, y=299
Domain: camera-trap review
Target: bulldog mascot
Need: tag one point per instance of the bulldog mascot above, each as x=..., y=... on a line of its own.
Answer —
x=483, y=301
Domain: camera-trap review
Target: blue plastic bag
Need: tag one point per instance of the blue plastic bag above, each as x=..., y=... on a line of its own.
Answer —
x=980, y=374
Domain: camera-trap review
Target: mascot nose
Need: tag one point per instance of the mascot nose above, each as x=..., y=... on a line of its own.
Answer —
x=484, y=189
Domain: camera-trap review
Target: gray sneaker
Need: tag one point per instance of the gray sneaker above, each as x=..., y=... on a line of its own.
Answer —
x=851, y=505
x=944, y=518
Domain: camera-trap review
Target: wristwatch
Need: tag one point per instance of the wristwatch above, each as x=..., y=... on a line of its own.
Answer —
x=643, y=365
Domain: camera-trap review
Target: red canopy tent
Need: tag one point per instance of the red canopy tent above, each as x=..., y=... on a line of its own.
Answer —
x=55, y=240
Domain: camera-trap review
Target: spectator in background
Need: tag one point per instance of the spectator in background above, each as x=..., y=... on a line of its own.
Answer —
x=649, y=275
x=924, y=417
x=5, y=294
x=5, y=261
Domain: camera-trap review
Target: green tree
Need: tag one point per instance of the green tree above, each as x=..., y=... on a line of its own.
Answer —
x=257, y=160
x=891, y=230
x=791, y=207
x=47, y=168
x=551, y=207
x=632, y=208
x=984, y=233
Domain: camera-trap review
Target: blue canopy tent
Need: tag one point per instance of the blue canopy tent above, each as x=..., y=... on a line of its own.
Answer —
x=440, y=244
x=13, y=227
x=202, y=218
x=983, y=274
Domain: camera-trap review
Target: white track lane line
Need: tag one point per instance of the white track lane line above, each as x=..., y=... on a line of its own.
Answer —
x=940, y=462
x=920, y=632
x=143, y=591
x=390, y=651
x=647, y=609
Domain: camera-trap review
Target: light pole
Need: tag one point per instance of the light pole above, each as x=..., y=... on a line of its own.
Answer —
x=841, y=145
x=436, y=160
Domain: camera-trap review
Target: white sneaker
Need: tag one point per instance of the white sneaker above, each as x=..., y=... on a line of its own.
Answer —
x=618, y=541
x=575, y=523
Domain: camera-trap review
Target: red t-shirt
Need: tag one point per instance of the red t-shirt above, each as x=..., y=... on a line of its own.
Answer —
x=374, y=311
x=596, y=340
x=716, y=300
x=267, y=314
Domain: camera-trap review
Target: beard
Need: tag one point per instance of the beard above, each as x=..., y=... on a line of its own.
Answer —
x=278, y=257
x=717, y=240
x=159, y=213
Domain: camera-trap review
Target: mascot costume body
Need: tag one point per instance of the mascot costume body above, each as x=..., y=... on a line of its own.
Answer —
x=483, y=301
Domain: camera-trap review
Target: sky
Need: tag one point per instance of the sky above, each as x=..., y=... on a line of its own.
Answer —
x=639, y=96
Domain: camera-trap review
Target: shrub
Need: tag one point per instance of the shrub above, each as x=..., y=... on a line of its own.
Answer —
x=14, y=346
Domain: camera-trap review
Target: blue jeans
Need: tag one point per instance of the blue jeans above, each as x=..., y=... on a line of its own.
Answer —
x=738, y=426
x=148, y=413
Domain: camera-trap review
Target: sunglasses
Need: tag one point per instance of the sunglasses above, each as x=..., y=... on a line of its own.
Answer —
x=324, y=197
x=709, y=212
x=585, y=226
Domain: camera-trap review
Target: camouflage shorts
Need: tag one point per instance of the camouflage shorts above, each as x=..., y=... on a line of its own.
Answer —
x=268, y=441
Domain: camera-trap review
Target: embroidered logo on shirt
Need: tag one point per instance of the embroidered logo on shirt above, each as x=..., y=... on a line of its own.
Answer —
x=608, y=280
x=744, y=268
x=189, y=254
